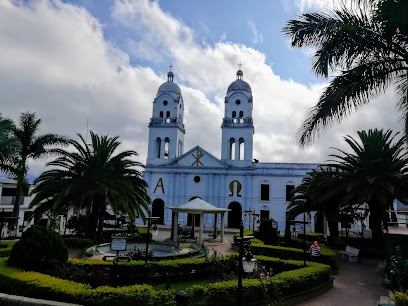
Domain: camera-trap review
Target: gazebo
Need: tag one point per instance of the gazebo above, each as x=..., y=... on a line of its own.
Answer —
x=200, y=207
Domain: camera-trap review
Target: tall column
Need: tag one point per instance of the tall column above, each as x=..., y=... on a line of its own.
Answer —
x=162, y=148
x=200, y=234
x=175, y=226
x=236, y=149
x=215, y=225
x=222, y=227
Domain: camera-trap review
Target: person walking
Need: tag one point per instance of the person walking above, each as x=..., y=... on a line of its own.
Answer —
x=315, y=252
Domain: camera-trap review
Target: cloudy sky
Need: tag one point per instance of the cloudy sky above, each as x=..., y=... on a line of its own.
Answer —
x=101, y=62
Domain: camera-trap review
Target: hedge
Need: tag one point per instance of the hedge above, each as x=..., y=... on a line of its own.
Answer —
x=37, y=285
x=327, y=256
x=224, y=293
x=78, y=243
x=178, y=269
x=5, y=248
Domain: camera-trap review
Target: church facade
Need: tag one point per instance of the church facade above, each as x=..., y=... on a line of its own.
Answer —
x=236, y=181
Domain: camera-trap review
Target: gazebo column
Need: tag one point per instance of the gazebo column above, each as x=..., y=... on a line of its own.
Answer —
x=215, y=225
x=222, y=227
x=175, y=226
x=200, y=235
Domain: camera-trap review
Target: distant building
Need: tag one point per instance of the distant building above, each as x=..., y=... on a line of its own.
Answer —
x=8, y=188
x=237, y=181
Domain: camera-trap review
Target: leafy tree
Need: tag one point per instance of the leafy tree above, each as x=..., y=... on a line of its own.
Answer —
x=368, y=45
x=8, y=144
x=29, y=146
x=91, y=177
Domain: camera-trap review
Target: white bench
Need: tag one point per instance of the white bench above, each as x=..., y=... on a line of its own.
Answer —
x=350, y=253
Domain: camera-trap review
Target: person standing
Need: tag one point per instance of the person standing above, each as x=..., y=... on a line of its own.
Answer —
x=315, y=252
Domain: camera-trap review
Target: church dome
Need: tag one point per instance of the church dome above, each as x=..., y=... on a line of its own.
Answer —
x=170, y=86
x=239, y=84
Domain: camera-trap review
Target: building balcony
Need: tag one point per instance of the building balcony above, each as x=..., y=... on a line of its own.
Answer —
x=10, y=200
x=237, y=122
x=166, y=122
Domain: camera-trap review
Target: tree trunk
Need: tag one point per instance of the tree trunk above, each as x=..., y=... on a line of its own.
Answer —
x=16, y=207
x=288, y=238
x=375, y=224
x=334, y=231
x=92, y=220
x=101, y=218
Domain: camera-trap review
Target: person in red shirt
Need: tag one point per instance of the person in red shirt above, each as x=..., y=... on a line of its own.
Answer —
x=315, y=252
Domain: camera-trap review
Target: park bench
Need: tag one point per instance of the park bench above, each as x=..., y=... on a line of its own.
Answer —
x=350, y=253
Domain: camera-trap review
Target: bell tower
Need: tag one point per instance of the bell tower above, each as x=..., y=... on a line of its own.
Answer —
x=237, y=126
x=166, y=128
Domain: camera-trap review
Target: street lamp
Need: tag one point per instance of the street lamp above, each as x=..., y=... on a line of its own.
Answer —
x=254, y=217
x=248, y=213
x=150, y=221
x=246, y=261
x=304, y=222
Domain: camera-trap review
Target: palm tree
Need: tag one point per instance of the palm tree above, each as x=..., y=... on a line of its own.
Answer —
x=29, y=146
x=317, y=193
x=368, y=45
x=8, y=144
x=375, y=173
x=92, y=177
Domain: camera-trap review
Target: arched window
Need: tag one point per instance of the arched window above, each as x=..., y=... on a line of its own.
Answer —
x=241, y=117
x=234, y=114
x=232, y=148
x=161, y=114
x=158, y=147
x=166, y=147
x=167, y=114
x=241, y=148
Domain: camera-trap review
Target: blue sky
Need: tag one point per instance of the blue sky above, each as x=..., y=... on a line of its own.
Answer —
x=258, y=26
x=102, y=62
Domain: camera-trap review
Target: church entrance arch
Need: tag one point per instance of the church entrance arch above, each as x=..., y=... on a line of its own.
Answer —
x=158, y=210
x=235, y=215
x=196, y=217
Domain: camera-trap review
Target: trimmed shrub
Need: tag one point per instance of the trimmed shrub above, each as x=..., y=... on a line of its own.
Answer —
x=39, y=248
x=78, y=243
x=37, y=285
x=173, y=270
x=327, y=256
x=224, y=293
x=5, y=248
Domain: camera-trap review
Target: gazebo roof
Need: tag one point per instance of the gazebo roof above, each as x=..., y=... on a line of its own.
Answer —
x=198, y=206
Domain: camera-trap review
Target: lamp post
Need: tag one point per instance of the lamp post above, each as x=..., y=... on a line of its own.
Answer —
x=246, y=262
x=304, y=222
x=254, y=217
x=248, y=213
x=150, y=221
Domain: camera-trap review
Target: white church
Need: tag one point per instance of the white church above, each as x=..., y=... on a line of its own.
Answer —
x=236, y=181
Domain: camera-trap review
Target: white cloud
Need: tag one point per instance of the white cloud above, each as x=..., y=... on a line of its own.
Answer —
x=257, y=37
x=56, y=61
x=306, y=5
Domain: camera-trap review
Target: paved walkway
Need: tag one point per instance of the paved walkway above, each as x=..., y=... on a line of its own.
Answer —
x=355, y=285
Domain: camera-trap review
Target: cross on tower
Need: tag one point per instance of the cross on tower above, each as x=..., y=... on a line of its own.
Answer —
x=239, y=65
x=171, y=66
